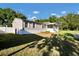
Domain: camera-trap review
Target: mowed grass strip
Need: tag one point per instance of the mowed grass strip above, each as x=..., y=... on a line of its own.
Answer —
x=68, y=31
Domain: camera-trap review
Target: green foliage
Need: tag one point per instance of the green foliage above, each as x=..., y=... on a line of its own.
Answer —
x=69, y=21
x=53, y=19
x=7, y=15
x=69, y=34
x=42, y=20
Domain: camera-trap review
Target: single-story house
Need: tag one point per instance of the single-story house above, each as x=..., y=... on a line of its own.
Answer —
x=25, y=27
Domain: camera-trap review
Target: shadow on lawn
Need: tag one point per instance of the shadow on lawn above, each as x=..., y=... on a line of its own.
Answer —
x=11, y=40
x=65, y=47
x=68, y=49
x=30, y=45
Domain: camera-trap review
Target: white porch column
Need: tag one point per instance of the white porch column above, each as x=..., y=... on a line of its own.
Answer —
x=27, y=25
x=46, y=27
x=35, y=25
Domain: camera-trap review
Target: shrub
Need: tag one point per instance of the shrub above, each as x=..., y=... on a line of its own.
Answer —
x=69, y=36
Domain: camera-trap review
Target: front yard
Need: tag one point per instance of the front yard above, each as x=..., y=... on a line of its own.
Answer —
x=36, y=45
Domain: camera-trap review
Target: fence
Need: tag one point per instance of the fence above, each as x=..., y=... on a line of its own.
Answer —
x=25, y=31
x=7, y=30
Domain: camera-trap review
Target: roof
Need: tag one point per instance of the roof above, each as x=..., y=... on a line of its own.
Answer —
x=48, y=23
x=34, y=22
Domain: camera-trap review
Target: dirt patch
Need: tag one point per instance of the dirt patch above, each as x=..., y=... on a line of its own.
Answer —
x=45, y=34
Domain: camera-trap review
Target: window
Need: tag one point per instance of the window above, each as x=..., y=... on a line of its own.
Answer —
x=26, y=24
x=33, y=25
x=43, y=26
x=49, y=26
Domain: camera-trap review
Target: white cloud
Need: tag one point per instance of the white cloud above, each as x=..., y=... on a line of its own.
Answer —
x=53, y=14
x=63, y=12
x=32, y=18
x=36, y=12
x=58, y=16
x=77, y=12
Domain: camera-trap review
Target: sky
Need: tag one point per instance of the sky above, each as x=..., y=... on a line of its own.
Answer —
x=42, y=10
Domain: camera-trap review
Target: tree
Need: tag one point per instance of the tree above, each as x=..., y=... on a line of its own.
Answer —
x=64, y=25
x=53, y=19
x=70, y=21
x=42, y=20
x=9, y=15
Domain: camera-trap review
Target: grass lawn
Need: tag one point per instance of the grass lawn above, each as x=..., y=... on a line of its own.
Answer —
x=35, y=45
x=68, y=31
x=11, y=43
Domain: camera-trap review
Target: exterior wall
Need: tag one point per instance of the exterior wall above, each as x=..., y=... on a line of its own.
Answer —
x=7, y=30
x=18, y=23
x=33, y=25
x=30, y=25
x=38, y=26
x=53, y=30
